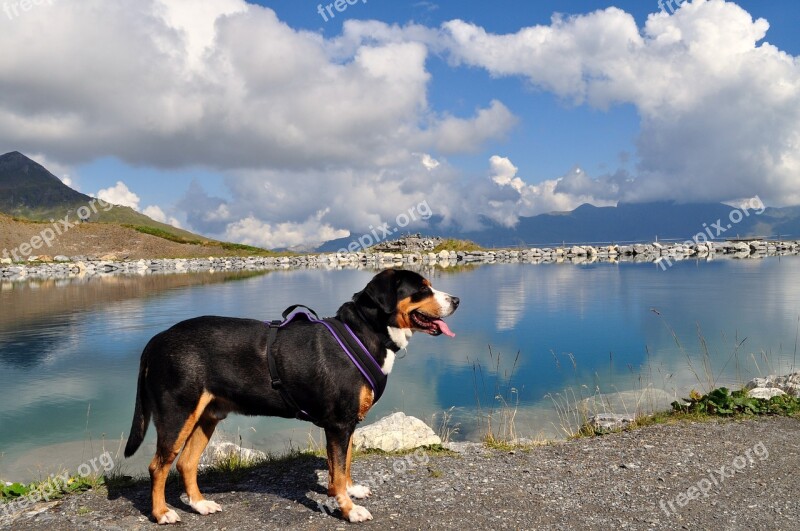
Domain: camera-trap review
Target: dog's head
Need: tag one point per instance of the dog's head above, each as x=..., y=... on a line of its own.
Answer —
x=408, y=301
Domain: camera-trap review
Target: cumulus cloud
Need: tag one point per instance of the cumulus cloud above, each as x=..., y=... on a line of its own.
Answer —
x=222, y=83
x=513, y=197
x=356, y=201
x=156, y=213
x=119, y=194
x=227, y=85
x=720, y=109
x=313, y=230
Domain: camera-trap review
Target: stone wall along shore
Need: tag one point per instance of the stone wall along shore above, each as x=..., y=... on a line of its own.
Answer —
x=662, y=254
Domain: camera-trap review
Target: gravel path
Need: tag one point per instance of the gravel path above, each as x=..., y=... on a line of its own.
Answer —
x=636, y=480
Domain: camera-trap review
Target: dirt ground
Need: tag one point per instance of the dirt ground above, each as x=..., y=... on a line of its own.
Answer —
x=97, y=239
x=713, y=475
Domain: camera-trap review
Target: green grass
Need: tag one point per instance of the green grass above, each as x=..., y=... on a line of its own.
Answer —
x=234, y=248
x=54, y=488
x=250, y=250
x=718, y=404
x=724, y=403
x=166, y=235
x=434, y=449
x=451, y=244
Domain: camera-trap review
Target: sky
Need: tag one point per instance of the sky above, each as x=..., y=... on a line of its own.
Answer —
x=292, y=122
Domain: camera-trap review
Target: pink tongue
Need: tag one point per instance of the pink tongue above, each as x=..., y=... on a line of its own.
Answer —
x=444, y=328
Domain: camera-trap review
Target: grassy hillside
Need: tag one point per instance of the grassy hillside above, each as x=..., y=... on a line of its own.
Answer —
x=28, y=192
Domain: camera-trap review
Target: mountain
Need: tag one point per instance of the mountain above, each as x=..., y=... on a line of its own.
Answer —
x=29, y=192
x=627, y=222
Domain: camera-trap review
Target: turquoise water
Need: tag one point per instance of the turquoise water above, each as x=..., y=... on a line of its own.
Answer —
x=69, y=351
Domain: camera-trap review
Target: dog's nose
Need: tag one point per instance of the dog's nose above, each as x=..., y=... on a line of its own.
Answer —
x=455, y=301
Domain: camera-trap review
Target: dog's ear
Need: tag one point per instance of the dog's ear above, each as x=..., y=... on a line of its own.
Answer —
x=382, y=289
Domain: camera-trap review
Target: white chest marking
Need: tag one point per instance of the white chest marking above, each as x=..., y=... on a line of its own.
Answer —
x=400, y=336
x=388, y=363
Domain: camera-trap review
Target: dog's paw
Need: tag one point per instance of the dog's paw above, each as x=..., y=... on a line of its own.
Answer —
x=359, y=491
x=205, y=507
x=169, y=517
x=359, y=514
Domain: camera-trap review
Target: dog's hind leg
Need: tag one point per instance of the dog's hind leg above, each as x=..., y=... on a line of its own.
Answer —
x=172, y=436
x=339, y=443
x=358, y=492
x=190, y=459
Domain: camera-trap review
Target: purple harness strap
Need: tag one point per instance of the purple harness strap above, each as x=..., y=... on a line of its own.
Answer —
x=358, y=361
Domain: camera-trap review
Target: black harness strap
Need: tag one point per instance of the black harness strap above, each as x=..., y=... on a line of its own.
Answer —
x=352, y=346
x=277, y=384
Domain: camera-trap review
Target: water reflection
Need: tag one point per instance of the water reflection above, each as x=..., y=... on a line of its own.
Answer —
x=69, y=351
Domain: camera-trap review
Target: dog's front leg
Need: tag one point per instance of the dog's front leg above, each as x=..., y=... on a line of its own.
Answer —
x=340, y=453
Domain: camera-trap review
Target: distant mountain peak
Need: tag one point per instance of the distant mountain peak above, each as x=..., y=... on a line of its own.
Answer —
x=28, y=190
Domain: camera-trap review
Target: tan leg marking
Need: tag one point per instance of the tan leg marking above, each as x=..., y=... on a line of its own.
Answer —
x=365, y=402
x=160, y=465
x=338, y=468
x=355, y=491
x=190, y=459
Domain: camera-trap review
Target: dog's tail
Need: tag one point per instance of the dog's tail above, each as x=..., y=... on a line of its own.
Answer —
x=141, y=412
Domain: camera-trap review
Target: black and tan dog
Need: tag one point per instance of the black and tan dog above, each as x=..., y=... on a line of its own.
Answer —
x=192, y=375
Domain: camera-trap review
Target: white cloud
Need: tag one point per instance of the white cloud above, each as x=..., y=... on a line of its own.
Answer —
x=720, y=109
x=156, y=213
x=221, y=83
x=253, y=231
x=522, y=199
x=299, y=123
x=429, y=162
x=119, y=194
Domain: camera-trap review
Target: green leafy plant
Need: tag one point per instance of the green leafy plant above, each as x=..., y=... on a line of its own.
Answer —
x=723, y=402
x=15, y=490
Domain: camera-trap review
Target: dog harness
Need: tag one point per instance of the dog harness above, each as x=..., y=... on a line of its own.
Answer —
x=344, y=336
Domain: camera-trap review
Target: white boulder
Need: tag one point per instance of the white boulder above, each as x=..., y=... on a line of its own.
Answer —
x=394, y=433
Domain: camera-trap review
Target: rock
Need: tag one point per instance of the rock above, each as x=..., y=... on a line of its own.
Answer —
x=765, y=393
x=741, y=247
x=395, y=433
x=789, y=384
x=217, y=452
x=6, y=261
x=609, y=421
x=577, y=251
x=61, y=258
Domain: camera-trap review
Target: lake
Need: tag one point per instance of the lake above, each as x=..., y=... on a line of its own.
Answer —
x=531, y=341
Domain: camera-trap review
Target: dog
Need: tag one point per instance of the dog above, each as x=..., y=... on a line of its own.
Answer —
x=194, y=374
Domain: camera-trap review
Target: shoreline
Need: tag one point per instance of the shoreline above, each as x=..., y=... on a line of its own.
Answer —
x=642, y=479
x=663, y=255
